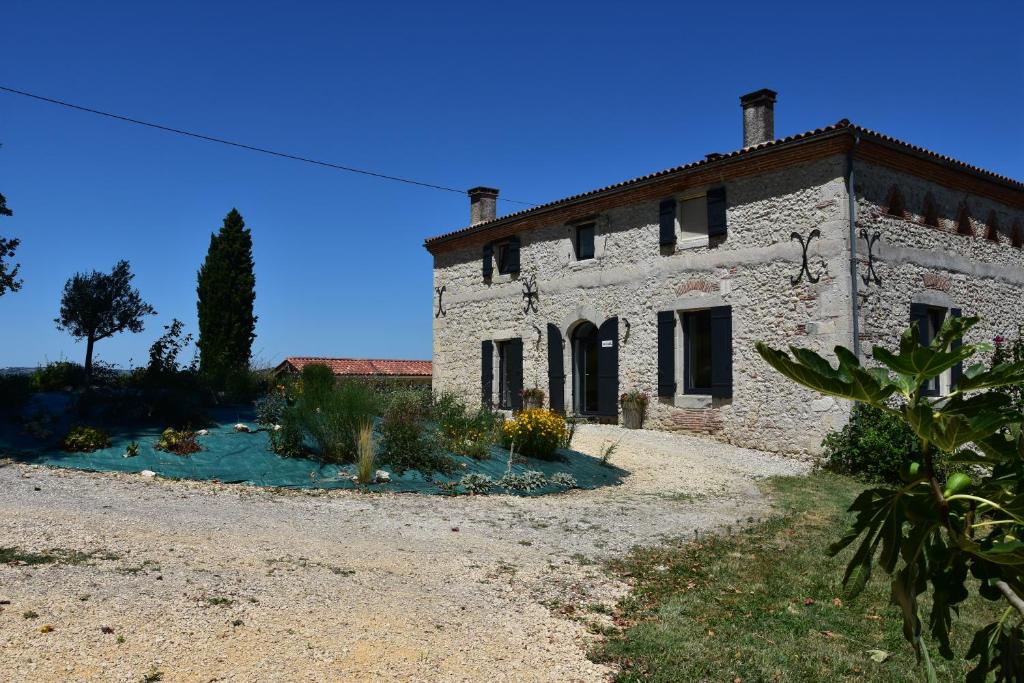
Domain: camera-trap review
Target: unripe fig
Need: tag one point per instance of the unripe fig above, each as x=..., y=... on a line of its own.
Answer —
x=956, y=483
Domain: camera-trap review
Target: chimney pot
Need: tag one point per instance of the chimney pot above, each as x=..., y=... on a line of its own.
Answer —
x=758, y=117
x=483, y=205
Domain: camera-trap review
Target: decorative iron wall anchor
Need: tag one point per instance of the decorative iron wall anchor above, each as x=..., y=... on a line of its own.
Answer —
x=872, y=276
x=803, y=267
x=440, y=301
x=540, y=334
x=530, y=293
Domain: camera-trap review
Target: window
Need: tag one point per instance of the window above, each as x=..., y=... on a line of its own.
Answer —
x=501, y=251
x=693, y=217
x=585, y=242
x=697, y=352
x=935, y=318
x=504, y=366
x=929, y=320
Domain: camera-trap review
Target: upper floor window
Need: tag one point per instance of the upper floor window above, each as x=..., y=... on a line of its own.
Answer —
x=695, y=218
x=505, y=252
x=585, y=241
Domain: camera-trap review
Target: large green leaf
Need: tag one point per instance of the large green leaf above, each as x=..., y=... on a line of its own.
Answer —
x=924, y=362
x=977, y=377
x=849, y=380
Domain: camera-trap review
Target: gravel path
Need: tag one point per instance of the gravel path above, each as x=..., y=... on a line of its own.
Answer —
x=205, y=582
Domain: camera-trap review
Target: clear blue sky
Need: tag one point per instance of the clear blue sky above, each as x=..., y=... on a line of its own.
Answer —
x=541, y=100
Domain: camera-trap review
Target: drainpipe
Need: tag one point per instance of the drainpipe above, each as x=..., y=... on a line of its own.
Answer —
x=852, y=211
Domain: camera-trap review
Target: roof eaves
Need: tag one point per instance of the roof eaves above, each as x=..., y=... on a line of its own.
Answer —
x=720, y=159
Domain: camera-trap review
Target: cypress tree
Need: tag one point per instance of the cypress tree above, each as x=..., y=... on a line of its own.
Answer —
x=226, y=290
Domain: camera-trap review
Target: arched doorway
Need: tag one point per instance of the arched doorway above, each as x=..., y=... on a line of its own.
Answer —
x=595, y=369
x=585, y=380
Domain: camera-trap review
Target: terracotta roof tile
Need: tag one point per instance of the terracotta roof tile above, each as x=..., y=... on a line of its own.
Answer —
x=841, y=126
x=365, y=367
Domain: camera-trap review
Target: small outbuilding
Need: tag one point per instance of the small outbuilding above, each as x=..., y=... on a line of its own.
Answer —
x=407, y=371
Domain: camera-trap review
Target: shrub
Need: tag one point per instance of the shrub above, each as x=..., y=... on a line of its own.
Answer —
x=563, y=479
x=873, y=446
x=270, y=409
x=463, y=432
x=405, y=443
x=317, y=381
x=536, y=433
x=287, y=438
x=331, y=416
x=82, y=439
x=180, y=442
x=477, y=484
x=58, y=376
x=15, y=390
x=529, y=480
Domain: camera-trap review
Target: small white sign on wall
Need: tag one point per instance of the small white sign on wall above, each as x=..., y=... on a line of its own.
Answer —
x=607, y=343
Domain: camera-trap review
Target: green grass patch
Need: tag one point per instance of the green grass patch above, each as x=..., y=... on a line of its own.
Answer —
x=766, y=604
x=17, y=556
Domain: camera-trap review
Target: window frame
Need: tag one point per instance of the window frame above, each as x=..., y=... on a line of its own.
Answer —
x=689, y=337
x=934, y=325
x=504, y=395
x=501, y=256
x=577, y=241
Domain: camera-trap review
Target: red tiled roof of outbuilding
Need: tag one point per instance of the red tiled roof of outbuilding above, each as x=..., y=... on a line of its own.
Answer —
x=363, y=367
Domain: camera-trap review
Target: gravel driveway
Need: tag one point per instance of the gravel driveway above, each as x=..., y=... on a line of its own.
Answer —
x=204, y=582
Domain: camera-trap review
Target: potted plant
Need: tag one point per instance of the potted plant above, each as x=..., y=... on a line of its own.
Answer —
x=533, y=398
x=634, y=409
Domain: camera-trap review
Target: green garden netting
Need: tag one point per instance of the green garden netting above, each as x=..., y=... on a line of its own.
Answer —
x=230, y=456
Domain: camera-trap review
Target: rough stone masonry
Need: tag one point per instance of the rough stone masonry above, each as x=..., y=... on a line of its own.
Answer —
x=663, y=284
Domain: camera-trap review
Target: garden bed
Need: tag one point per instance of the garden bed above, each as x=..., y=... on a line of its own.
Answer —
x=231, y=456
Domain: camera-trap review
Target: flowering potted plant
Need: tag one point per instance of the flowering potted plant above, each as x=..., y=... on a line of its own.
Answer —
x=533, y=398
x=634, y=409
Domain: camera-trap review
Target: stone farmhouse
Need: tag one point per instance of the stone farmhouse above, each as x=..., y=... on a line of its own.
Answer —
x=663, y=283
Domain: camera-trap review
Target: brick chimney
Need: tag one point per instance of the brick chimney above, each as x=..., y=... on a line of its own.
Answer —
x=758, y=117
x=483, y=205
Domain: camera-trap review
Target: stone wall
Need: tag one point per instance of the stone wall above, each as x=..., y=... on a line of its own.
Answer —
x=983, y=273
x=753, y=271
x=632, y=278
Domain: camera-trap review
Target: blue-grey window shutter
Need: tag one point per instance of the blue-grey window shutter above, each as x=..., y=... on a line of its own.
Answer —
x=716, y=212
x=486, y=373
x=556, y=370
x=515, y=373
x=608, y=368
x=667, y=221
x=957, y=371
x=488, y=267
x=666, y=353
x=721, y=351
x=919, y=315
x=513, y=255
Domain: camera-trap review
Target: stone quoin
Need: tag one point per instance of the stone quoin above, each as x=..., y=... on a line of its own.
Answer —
x=663, y=284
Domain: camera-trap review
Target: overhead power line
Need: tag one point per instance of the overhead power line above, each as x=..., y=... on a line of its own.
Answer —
x=251, y=148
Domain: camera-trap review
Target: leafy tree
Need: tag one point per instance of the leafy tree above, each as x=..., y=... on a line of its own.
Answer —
x=163, y=354
x=928, y=536
x=9, y=281
x=226, y=290
x=99, y=305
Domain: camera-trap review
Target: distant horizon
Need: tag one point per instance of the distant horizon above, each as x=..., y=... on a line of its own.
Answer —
x=542, y=103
